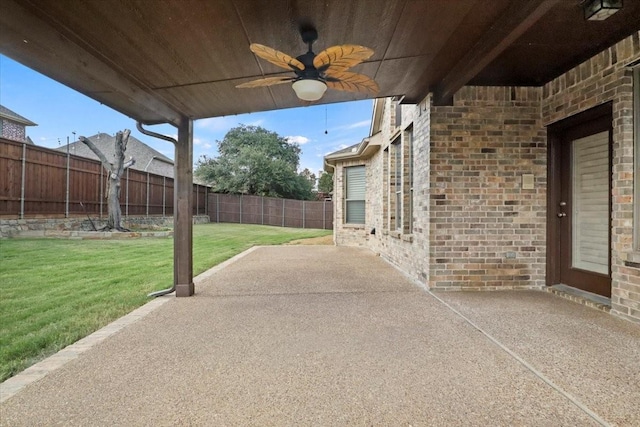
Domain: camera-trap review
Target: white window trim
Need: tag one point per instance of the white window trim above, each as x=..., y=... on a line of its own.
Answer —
x=347, y=200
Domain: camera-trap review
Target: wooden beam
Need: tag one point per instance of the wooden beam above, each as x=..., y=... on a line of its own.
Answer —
x=518, y=18
x=183, y=212
x=38, y=42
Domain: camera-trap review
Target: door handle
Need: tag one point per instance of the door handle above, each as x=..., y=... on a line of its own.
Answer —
x=561, y=215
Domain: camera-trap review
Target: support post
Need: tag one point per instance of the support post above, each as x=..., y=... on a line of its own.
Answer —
x=183, y=211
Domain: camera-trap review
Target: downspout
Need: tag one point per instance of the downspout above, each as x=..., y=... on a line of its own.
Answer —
x=174, y=142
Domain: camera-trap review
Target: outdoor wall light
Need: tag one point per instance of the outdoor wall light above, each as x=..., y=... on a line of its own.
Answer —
x=309, y=90
x=599, y=10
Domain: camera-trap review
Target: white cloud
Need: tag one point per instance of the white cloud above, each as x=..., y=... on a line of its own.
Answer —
x=356, y=125
x=361, y=124
x=258, y=122
x=298, y=139
x=216, y=124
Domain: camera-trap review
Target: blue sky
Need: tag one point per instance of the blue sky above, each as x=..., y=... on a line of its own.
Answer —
x=59, y=111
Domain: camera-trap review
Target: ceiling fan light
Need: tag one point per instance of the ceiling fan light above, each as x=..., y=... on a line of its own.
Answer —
x=309, y=90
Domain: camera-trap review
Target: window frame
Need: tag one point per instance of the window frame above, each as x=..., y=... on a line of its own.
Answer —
x=396, y=148
x=348, y=200
x=408, y=146
x=636, y=158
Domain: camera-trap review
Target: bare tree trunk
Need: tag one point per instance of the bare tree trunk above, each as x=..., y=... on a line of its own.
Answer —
x=115, y=171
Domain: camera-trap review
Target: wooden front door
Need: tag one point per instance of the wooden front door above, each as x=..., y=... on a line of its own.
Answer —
x=580, y=206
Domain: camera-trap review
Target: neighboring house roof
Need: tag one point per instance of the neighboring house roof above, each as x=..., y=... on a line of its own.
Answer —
x=361, y=151
x=6, y=113
x=147, y=159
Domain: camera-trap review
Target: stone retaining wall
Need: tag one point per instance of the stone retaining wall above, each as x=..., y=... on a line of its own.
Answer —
x=66, y=227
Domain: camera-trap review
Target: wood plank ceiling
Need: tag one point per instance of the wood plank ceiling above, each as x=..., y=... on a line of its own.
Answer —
x=159, y=60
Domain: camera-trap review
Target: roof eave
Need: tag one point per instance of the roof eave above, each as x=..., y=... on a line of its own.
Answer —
x=367, y=148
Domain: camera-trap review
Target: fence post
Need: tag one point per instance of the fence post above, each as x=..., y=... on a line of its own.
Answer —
x=206, y=201
x=101, y=189
x=164, y=196
x=262, y=212
x=126, y=203
x=66, y=202
x=240, y=208
x=283, y=200
x=148, y=194
x=24, y=174
x=217, y=208
x=197, y=198
x=324, y=215
x=303, y=219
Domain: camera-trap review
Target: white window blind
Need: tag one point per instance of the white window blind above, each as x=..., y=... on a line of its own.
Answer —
x=355, y=182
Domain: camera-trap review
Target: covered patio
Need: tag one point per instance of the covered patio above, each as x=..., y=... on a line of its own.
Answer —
x=275, y=338
x=178, y=61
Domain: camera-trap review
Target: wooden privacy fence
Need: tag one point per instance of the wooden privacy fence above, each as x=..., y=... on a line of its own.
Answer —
x=243, y=209
x=40, y=182
x=37, y=182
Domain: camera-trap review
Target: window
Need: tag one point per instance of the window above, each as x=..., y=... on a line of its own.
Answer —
x=396, y=184
x=398, y=115
x=355, y=191
x=636, y=156
x=408, y=143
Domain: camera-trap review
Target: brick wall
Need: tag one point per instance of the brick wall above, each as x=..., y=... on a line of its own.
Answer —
x=488, y=232
x=474, y=226
x=406, y=248
x=607, y=78
x=12, y=130
x=350, y=234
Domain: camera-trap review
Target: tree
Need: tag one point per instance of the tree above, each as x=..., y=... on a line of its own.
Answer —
x=325, y=183
x=256, y=161
x=115, y=171
x=309, y=176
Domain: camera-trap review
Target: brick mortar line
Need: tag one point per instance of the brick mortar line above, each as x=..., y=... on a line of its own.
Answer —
x=527, y=365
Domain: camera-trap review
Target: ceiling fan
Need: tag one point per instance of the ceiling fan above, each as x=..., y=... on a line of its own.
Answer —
x=314, y=73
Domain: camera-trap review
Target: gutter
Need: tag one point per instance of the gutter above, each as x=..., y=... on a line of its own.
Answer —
x=174, y=142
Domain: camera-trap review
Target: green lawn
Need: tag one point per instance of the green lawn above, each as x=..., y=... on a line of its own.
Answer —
x=54, y=292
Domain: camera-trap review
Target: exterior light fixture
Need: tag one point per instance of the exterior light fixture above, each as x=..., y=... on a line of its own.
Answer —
x=309, y=89
x=599, y=10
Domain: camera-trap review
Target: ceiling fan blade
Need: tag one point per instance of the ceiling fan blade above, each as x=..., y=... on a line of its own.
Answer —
x=341, y=57
x=268, y=81
x=276, y=57
x=353, y=82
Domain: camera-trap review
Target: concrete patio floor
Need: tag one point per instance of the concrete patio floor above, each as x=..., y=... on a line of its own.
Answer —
x=320, y=335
